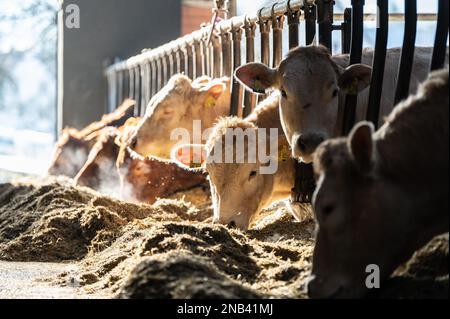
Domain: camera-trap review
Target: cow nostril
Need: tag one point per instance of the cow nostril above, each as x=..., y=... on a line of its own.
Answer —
x=301, y=144
x=232, y=224
x=328, y=209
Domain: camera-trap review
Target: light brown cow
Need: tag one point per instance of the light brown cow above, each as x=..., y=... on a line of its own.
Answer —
x=382, y=196
x=312, y=82
x=239, y=190
x=176, y=106
x=144, y=179
x=99, y=171
x=73, y=146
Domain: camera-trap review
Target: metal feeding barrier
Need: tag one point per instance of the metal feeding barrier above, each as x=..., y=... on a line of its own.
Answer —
x=197, y=54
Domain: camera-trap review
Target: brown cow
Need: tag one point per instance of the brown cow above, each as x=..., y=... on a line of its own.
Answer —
x=73, y=147
x=382, y=196
x=100, y=172
x=176, y=106
x=144, y=179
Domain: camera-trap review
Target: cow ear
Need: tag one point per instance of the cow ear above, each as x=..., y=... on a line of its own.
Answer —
x=355, y=78
x=256, y=77
x=361, y=145
x=190, y=156
x=213, y=92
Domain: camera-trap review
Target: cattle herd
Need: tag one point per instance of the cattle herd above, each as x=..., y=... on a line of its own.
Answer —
x=380, y=195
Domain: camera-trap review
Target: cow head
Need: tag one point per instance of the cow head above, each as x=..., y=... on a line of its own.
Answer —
x=311, y=84
x=239, y=188
x=175, y=107
x=358, y=214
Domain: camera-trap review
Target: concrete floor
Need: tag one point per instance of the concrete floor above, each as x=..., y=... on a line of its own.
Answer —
x=29, y=280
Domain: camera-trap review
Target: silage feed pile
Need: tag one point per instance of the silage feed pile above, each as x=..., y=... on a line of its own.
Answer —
x=171, y=250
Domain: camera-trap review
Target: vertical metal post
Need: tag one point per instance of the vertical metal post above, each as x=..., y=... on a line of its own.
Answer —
x=144, y=88
x=325, y=22
x=440, y=41
x=190, y=60
x=148, y=84
x=310, y=23
x=225, y=38
x=249, y=98
x=206, y=52
x=199, y=59
x=293, y=19
x=175, y=63
x=166, y=63
x=159, y=72
x=407, y=58
x=154, y=76
x=130, y=84
x=355, y=57
x=119, y=89
x=379, y=59
x=215, y=41
x=277, y=33
x=346, y=30
x=182, y=59
x=236, y=89
x=264, y=29
x=137, y=89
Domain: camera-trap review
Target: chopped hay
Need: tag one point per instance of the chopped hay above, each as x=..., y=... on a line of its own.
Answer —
x=171, y=249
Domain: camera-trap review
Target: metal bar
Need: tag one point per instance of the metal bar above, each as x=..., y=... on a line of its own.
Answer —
x=225, y=40
x=355, y=57
x=293, y=19
x=379, y=59
x=119, y=88
x=137, y=89
x=154, y=80
x=159, y=72
x=325, y=22
x=310, y=23
x=144, y=88
x=130, y=84
x=346, y=30
x=206, y=62
x=199, y=58
x=175, y=63
x=190, y=60
x=182, y=59
x=166, y=67
x=277, y=40
x=407, y=58
x=249, y=98
x=236, y=88
x=216, y=47
x=264, y=29
x=148, y=84
x=440, y=41
x=115, y=101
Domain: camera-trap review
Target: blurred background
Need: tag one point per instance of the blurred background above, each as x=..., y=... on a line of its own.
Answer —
x=30, y=115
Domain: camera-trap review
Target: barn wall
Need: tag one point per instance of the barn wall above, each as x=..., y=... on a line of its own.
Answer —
x=108, y=29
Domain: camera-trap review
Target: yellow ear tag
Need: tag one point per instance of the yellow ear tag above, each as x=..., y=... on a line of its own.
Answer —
x=210, y=101
x=352, y=89
x=283, y=154
x=258, y=87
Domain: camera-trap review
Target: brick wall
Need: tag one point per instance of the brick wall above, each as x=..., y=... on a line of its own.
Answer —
x=194, y=13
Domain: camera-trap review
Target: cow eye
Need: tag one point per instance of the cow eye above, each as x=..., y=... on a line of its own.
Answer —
x=252, y=174
x=307, y=105
x=284, y=94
